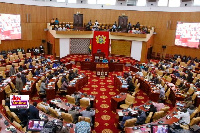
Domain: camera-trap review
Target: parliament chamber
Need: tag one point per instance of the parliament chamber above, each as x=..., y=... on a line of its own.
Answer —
x=98, y=68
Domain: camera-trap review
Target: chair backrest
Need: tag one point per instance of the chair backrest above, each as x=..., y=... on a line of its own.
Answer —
x=144, y=73
x=3, y=103
x=17, y=125
x=2, y=68
x=194, y=113
x=160, y=73
x=136, y=81
x=167, y=93
x=178, y=82
x=67, y=117
x=149, y=117
x=198, y=76
x=37, y=87
x=138, y=85
x=165, y=109
x=53, y=112
x=190, y=91
x=7, y=89
x=130, y=122
x=194, y=96
x=171, y=70
x=16, y=118
x=40, y=107
x=87, y=119
x=195, y=121
x=129, y=99
x=84, y=103
x=8, y=67
x=39, y=82
x=169, y=79
x=158, y=115
x=70, y=99
x=28, y=54
x=8, y=112
x=59, y=84
x=12, y=85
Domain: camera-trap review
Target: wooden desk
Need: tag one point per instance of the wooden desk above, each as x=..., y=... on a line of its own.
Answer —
x=118, y=85
x=116, y=67
x=79, y=84
x=102, y=69
x=115, y=102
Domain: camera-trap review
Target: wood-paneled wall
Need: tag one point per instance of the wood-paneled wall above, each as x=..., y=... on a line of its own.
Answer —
x=121, y=47
x=33, y=31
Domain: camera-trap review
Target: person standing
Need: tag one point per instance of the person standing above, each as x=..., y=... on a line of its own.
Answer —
x=12, y=70
x=41, y=49
x=19, y=83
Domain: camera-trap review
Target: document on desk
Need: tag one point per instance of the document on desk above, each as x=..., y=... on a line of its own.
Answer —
x=120, y=114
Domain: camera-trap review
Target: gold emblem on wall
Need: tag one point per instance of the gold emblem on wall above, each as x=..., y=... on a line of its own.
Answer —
x=101, y=39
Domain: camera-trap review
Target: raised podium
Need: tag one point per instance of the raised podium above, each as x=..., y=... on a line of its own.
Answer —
x=102, y=69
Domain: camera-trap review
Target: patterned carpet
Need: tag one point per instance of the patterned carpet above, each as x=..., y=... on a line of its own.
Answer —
x=103, y=89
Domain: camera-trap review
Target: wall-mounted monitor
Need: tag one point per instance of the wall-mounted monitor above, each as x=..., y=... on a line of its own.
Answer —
x=187, y=34
x=10, y=26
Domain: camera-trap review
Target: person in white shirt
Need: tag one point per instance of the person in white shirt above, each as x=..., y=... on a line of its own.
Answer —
x=64, y=29
x=183, y=116
x=60, y=28
x=140, y=73
x=45, y=104
x=58, y=111
x=96, y=23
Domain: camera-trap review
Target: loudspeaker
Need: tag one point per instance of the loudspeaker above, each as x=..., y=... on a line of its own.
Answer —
x=163, y=46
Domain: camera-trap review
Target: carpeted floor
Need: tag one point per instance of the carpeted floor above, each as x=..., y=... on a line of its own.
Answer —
x=103, y=89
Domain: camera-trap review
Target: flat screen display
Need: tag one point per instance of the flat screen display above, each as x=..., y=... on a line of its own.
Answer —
x=10, y=27
x=187, y=34
x=160, y=128
x=35, y=125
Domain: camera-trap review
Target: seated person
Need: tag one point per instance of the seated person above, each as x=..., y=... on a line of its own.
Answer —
x=105, y=60
x=77, y=97
x=131, y=87
x=156, y=80
x=162, y=93
x=82, y=126
x=31, y=66
x=151, y=109
x=20, y=69
x=188, y=102
x=141, y=117
x=55, y=65
x=37, y=72
x=87, y=59
x=126, y=117
x=56, y=21
x=140, y=73
x=158, y=105
x=183, y=116
x=50, y=76
x=96, y=23
x=197, y=84
x=64, y=86
x=45, y=104
x=88, y=113
x=30, y=60
x=74, y=114
x=191, y=109
x=52, y=21
x=67, y=26
x=43, y=86
x=48, y=60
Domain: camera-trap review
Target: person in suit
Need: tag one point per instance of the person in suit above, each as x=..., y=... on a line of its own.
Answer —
x=43, y=86
x=64, y=85
x=19, y=83
x=12, y=70
x=33, y=111
x=31, y=66
x=141, y=117
x=189, y=77
x=23, y=77
x=20, y=69
x=131, y=87
x=126, y=117
x=88, y=113
x=37, y=72
x=74, y=114
x=151, y=109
